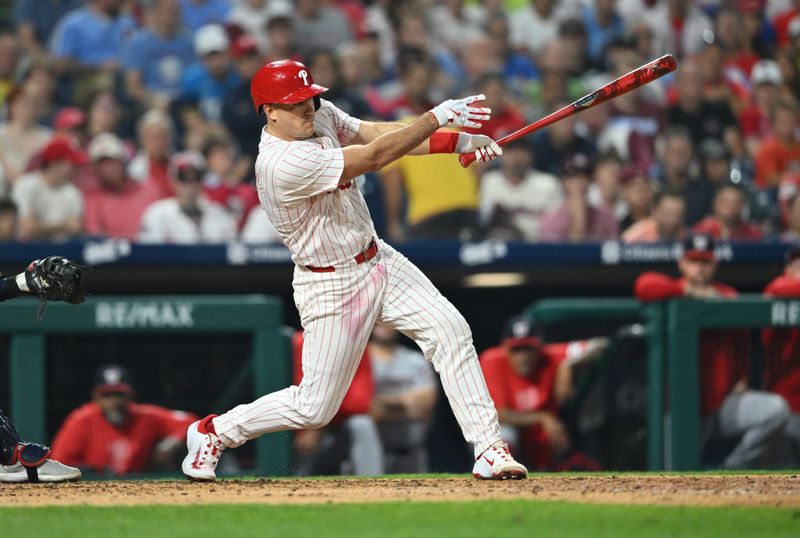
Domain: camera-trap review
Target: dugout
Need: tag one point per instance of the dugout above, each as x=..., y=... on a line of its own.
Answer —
x=197, y=353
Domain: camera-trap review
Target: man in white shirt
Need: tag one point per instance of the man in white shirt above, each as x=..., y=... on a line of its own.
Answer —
x=514, y=197
x=188, y=218
x=50, y=206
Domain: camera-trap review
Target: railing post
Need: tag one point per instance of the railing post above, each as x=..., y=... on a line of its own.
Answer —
x=272, y=372
x=656, y=343
x=27, y=385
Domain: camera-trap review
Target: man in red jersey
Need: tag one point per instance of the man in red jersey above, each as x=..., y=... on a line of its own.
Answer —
x=782, y=348
x=113, y=434
x=729, y=409
x=528, y=382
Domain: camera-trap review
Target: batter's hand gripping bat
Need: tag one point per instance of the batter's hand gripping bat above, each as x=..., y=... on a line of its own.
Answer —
x=630, y=81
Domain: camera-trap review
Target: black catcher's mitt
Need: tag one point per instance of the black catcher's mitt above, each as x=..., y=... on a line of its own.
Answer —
x=55, y=278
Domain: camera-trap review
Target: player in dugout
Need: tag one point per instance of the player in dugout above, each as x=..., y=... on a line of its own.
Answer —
x=529, y=381
x=782, y=351
x=731, y=411
x=113, y=434
x=51, y=279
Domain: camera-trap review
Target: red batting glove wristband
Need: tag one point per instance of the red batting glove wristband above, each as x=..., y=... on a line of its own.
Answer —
x=443, y=142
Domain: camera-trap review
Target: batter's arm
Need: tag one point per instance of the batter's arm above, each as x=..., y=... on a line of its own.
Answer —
x=371, y=130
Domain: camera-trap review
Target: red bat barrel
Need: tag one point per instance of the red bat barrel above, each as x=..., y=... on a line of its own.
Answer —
x=630, y=81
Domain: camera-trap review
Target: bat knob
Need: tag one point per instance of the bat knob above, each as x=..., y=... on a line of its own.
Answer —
x=466, y=159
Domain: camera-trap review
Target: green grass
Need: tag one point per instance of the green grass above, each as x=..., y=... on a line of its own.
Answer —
x=497, y=519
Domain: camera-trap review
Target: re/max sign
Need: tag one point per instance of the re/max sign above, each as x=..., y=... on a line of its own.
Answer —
x=122, y=315
x=786, y=313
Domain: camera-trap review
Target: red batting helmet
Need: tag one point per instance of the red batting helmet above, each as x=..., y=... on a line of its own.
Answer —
x=285, y=82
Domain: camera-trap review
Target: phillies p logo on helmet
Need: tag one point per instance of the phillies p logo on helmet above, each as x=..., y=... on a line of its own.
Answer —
x=279, y=82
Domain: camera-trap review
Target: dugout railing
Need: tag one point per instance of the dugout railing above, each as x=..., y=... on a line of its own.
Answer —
x=257, y=317
x=672, y=330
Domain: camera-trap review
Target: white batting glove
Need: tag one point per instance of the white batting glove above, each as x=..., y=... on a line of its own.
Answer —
x=485, y=148
x=460, y=113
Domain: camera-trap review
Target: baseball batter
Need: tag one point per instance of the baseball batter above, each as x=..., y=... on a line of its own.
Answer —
x=345, y=278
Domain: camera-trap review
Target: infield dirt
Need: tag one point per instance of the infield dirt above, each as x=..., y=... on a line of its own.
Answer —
x=693, y=490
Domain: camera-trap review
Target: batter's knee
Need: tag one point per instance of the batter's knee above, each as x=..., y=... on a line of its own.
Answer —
x=780, y=411
x=453, y=325
x=315, y=415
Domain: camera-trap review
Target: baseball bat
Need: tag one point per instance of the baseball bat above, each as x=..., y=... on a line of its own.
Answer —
x=630, y=81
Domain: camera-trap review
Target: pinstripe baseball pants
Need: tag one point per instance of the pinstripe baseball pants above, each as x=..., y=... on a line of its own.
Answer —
x=337, y=311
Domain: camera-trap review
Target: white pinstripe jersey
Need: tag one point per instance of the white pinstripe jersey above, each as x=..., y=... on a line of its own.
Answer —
x=320, y=222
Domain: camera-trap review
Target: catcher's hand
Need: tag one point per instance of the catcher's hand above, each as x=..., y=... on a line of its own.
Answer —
x=55, y=278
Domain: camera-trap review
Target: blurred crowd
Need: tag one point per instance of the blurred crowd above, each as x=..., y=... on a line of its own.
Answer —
x=132, y=118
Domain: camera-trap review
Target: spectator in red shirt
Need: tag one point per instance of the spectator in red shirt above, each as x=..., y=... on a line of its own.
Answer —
x=225, y=181
x=577, y=220
x=782, y=349
x=116, y=204
x=729, y=409
x=780, y=153
x=727, y=221
x=115, y=435
x=782, y=22
x=528, y=382
x=350, y=443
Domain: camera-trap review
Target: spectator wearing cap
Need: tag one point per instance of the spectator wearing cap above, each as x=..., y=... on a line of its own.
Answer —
x=319, y=25
x=187, y=218
x=198, y=13
x=70, y=123
x=576, y=219
x=114, y=435
x=35, y=23
x=666, y=222
x=20, y=139
x=515, y=197
x=528, y=382
x=208, y=82
x=50, y=205
x=9, y=217
x=782, y=349
x=780, y=153
x=728, y=220
x=91, y=37
x=155, y=132
x=765, y=80
x=703, y=118
x=729, y=409
x=244, y=125
x=155, y=59
x=226, y=181
x=115, y=207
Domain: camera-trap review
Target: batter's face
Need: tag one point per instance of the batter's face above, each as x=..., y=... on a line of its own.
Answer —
x=293, y=121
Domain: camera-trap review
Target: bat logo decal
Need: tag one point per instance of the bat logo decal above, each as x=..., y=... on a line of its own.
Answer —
x=586, y=101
